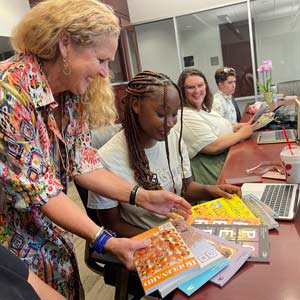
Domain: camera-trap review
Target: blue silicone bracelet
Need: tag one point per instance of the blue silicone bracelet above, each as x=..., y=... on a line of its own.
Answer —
x=101, y=240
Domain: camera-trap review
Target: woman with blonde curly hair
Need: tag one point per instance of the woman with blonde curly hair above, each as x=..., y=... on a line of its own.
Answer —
x=51, y=93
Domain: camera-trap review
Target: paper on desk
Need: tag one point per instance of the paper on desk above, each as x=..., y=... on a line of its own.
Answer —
x=274, y=175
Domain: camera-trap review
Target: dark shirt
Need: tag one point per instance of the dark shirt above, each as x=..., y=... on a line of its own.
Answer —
x=13, y=278
x=237, y=110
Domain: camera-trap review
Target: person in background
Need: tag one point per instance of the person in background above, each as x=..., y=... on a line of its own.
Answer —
x=206, y=134
x=17, y=282
x=149, y=152
x=51, y=92
x=224, y=102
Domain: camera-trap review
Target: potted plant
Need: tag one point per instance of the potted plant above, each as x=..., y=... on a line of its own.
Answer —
x=265, y=71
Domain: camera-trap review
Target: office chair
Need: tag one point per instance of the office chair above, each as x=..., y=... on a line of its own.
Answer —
x=127, y=283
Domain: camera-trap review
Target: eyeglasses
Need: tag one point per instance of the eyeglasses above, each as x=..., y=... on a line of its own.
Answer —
x=228, y=70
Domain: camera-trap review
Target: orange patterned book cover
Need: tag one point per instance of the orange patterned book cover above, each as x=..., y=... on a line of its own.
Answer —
x=166, y=260
x=222, y=207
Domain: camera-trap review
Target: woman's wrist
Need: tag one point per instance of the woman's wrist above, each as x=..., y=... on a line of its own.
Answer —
x=101, y=239
x=207, y=192
x=141, y=197
x=96, y=235
x=133, y=194
x=111, y=244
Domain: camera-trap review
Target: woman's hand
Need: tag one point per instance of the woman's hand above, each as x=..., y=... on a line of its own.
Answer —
x=238, y=126
x=244, y=130
x=223, y=190
x=162, y=202
x=124, y=249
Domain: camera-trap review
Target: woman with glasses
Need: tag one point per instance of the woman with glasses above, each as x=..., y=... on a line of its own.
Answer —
x=206, y=134
x=224, y=102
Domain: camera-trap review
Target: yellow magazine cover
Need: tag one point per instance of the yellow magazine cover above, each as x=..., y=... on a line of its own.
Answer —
x=165, y=260
x=222, y=207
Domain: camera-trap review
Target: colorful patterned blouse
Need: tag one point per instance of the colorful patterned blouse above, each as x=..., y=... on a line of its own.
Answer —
x=31, y=170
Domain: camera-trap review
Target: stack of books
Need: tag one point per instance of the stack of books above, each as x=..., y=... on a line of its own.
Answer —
x=212, y=245
x=168, y=261
x=243, y=221
x=234, y=253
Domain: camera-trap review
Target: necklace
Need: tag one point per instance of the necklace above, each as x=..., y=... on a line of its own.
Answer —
x=64, y=157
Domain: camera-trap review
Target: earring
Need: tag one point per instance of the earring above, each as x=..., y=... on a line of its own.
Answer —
x=66, y=67
x=84, y=100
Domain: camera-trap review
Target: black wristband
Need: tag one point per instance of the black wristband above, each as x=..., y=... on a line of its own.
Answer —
x=133, y=194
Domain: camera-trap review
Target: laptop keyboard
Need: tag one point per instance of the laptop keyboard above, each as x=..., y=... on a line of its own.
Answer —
x=280, y=135
x=278, y=197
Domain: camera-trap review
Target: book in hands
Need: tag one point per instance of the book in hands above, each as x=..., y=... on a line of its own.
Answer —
x=166, y=261
x=234, y=253
x=211, y=259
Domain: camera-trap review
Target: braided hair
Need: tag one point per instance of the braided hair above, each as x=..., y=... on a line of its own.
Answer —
x=143, y=84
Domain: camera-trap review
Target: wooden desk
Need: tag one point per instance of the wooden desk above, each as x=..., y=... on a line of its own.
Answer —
x=248, y=154
x=277, y=280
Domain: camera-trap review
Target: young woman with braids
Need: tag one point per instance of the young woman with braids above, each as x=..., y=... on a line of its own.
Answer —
x=150, y=153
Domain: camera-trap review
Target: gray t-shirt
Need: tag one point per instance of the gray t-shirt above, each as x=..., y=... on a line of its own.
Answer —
x=114, y=156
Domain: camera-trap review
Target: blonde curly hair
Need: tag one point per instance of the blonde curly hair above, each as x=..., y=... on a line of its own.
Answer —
x=85, y=20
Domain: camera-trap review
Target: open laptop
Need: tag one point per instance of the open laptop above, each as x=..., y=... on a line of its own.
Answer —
x=282, y=198
x=277, y=136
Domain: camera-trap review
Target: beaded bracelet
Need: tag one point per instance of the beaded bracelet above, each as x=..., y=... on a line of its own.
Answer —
x=101, y=240
x=133, y=194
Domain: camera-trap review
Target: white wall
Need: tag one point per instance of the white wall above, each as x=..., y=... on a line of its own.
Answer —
x=208, y=45
x=149, y=10
x=11, y=11
x=279, y=40
x=157, y=48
